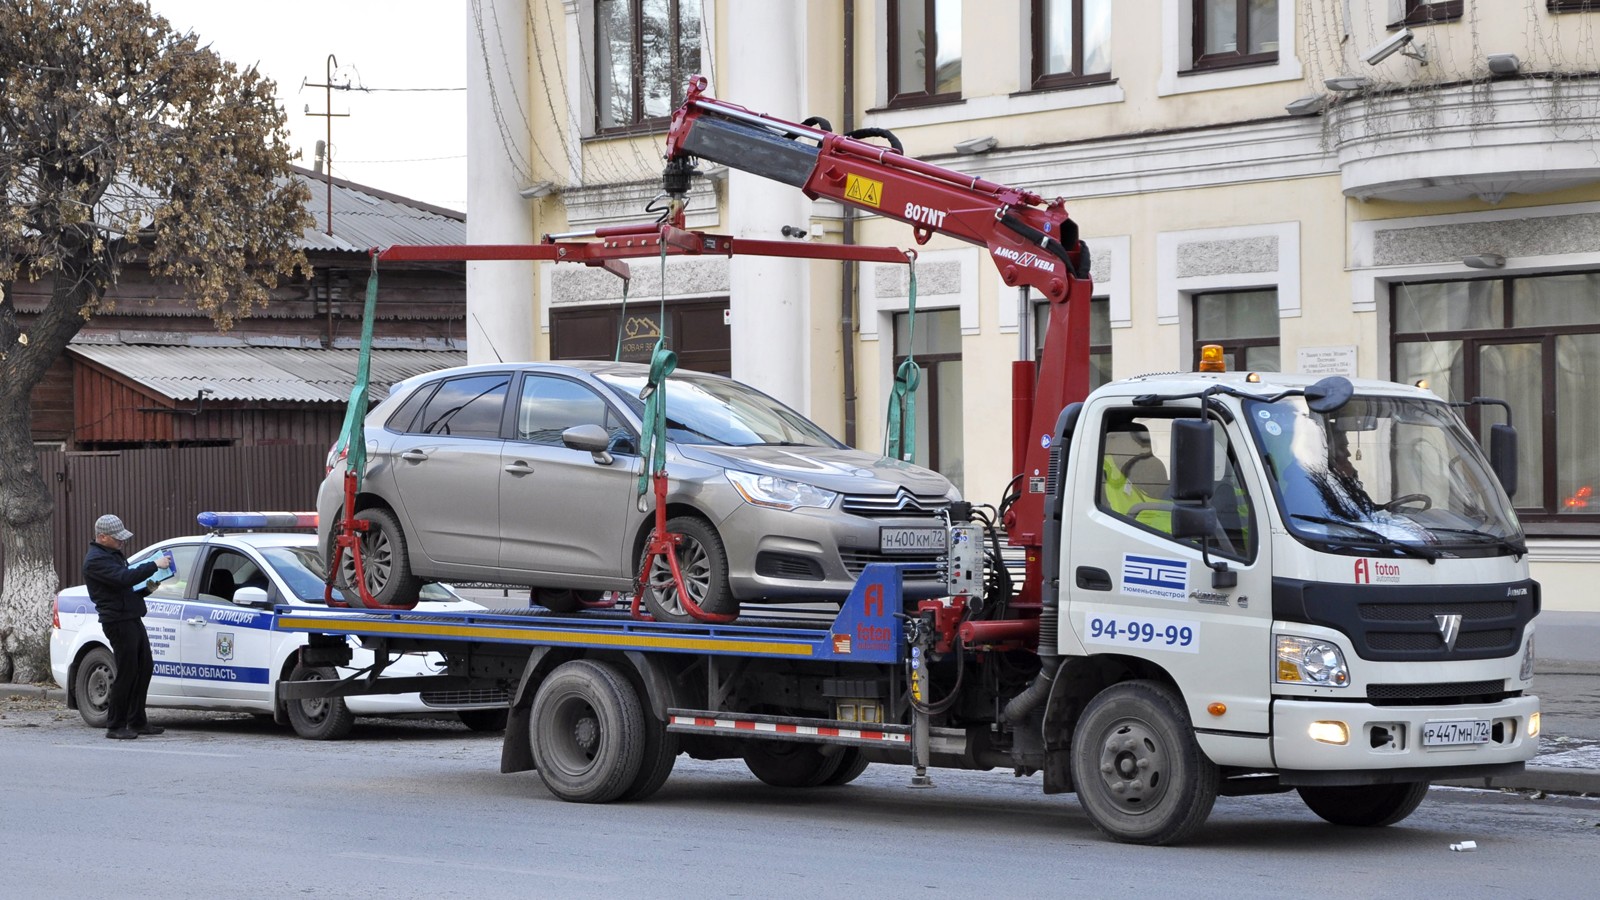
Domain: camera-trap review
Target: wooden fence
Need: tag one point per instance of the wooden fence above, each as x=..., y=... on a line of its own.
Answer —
x=158, y=493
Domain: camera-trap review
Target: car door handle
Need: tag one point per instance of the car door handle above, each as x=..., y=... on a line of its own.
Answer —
x=519, y=468
x=197, y=620
x=414, y=455
x=1092, y=579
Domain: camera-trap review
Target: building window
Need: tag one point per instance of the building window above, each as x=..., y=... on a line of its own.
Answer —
x=645, y=51
x=937, y=349
x=1573, y=5
x=1245, y=323
x=1230, y=33
x=1420, y=12
x=1099, y=337
x=1533, y=342
x=1071, y=42
x=921, y=31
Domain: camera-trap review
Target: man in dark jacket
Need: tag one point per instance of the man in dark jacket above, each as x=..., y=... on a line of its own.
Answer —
x=118, y=592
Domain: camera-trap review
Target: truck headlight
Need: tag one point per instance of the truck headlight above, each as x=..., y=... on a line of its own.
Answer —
x=1526, y=672
x=779, y=493
x=1311, y=661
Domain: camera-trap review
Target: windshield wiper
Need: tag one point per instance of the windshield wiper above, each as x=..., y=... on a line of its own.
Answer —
x=675, y=425
x=1380, y=537
x=1497, y=540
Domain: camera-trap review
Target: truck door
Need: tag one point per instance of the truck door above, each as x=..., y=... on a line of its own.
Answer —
x=1135, y=590
x=561, y=510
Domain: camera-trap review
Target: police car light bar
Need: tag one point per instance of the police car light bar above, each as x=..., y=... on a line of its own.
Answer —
x=217, y=520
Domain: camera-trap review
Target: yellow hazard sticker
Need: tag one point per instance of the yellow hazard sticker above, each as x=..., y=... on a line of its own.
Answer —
x=863, y=190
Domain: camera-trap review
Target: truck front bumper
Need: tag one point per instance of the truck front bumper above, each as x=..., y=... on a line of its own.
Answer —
x=1391, y=737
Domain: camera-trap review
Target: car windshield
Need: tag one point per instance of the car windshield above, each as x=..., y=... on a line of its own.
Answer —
x=703, y=410
x=1398, y=474
x=301, y=569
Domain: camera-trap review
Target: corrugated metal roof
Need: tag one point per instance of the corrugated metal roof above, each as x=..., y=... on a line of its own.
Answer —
x=365, y=217
x=262, y=373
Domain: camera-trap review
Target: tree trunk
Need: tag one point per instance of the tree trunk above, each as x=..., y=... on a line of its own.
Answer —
x=30, y=572
x=29, y=585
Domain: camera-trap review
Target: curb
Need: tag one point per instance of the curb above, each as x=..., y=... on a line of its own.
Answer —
x=1536, y=778
x=47, y=691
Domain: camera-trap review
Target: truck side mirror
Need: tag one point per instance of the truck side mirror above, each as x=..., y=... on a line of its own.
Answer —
x=1193, y=460
x=1193, y=521
x=1503, y=456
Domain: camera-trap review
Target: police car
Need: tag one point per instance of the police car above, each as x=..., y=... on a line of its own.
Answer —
x=212, y=636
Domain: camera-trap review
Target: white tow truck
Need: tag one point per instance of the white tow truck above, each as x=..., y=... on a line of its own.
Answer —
x=1233, y=583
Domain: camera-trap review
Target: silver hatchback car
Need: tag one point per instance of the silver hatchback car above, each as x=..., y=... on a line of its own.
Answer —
x=527, y=474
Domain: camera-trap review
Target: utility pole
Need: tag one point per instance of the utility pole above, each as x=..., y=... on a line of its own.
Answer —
x=327, y=85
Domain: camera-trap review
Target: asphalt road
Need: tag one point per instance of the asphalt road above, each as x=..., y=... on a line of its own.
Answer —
x=234, y=806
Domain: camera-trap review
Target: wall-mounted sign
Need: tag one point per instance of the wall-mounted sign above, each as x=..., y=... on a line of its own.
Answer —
x=640, y=331
x=1327, y=361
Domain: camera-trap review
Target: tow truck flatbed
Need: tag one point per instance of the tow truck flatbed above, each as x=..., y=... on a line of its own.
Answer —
x=868, y=628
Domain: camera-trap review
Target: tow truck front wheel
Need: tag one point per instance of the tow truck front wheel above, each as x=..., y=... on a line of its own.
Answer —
x=1140, y=776
x=1365, y=805
x=587, y=729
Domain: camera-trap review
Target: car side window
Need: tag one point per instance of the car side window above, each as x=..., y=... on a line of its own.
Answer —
x=1134, y=482
x=549, y=406
x=465, y=407
x=183, y=562
x=406, y=415
x=229, y=571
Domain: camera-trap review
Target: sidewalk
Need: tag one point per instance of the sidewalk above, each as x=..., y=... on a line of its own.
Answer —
x=1566, y=679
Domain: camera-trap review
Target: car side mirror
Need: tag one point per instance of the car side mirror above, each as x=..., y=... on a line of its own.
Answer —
x=251, y=596
x=1193, y=460
x=591, y=438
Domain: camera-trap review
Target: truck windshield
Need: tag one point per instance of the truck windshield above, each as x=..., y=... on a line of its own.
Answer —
x=702, y=410
x=1383, y=474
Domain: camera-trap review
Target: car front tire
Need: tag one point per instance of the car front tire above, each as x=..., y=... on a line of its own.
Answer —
x=703, y=561
x=384, y=563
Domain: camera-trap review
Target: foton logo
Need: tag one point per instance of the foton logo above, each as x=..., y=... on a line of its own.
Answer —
x=1369, y=571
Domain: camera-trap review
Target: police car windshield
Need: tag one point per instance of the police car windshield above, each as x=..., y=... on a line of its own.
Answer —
x=301, y=569
x=1383, y=473
x=703, y=410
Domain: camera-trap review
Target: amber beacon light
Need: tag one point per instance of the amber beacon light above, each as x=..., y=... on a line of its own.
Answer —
x=1211, y=359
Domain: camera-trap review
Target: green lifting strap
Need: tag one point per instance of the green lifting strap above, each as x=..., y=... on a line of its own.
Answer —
x=653, y=430
x=353, y=435
x=900, y=435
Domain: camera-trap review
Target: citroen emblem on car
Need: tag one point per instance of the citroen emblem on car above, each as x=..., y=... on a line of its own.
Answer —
x=1449, y=629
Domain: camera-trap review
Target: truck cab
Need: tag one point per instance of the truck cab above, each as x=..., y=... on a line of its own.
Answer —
x=1328, y=572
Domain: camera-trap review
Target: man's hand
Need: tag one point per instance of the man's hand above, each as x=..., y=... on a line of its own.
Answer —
x=164, y=560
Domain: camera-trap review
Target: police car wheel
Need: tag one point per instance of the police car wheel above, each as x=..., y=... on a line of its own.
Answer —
x=322, y=718
x=92, y=686
x=587, y=730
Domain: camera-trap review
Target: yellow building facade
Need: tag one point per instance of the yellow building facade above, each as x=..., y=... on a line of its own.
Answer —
x=1382, y=188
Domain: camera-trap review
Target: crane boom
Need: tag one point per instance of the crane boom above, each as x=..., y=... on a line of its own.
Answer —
x=1033, y=242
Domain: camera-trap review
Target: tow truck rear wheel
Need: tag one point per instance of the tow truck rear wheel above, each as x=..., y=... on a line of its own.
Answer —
x=319, y=718
x=1365, y=805
x=792, y=765
x=1141, y=778
x=854, y=762
x=91, y=686
x=661, y=749
x=703, y=562
x=383, y=561
x=588, y=732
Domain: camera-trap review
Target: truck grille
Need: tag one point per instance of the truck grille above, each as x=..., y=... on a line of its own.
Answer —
x=1437, y=692
x=1402, y=622
x=903, y=505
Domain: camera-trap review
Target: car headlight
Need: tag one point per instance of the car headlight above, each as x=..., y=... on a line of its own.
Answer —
x=779, y=493
x=1526, y=673
x=1311, y=661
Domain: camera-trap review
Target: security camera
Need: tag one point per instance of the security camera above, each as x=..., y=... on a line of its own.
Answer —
x=1402, y=39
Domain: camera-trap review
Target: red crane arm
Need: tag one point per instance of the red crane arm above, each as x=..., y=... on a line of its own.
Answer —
x=1033, y=243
